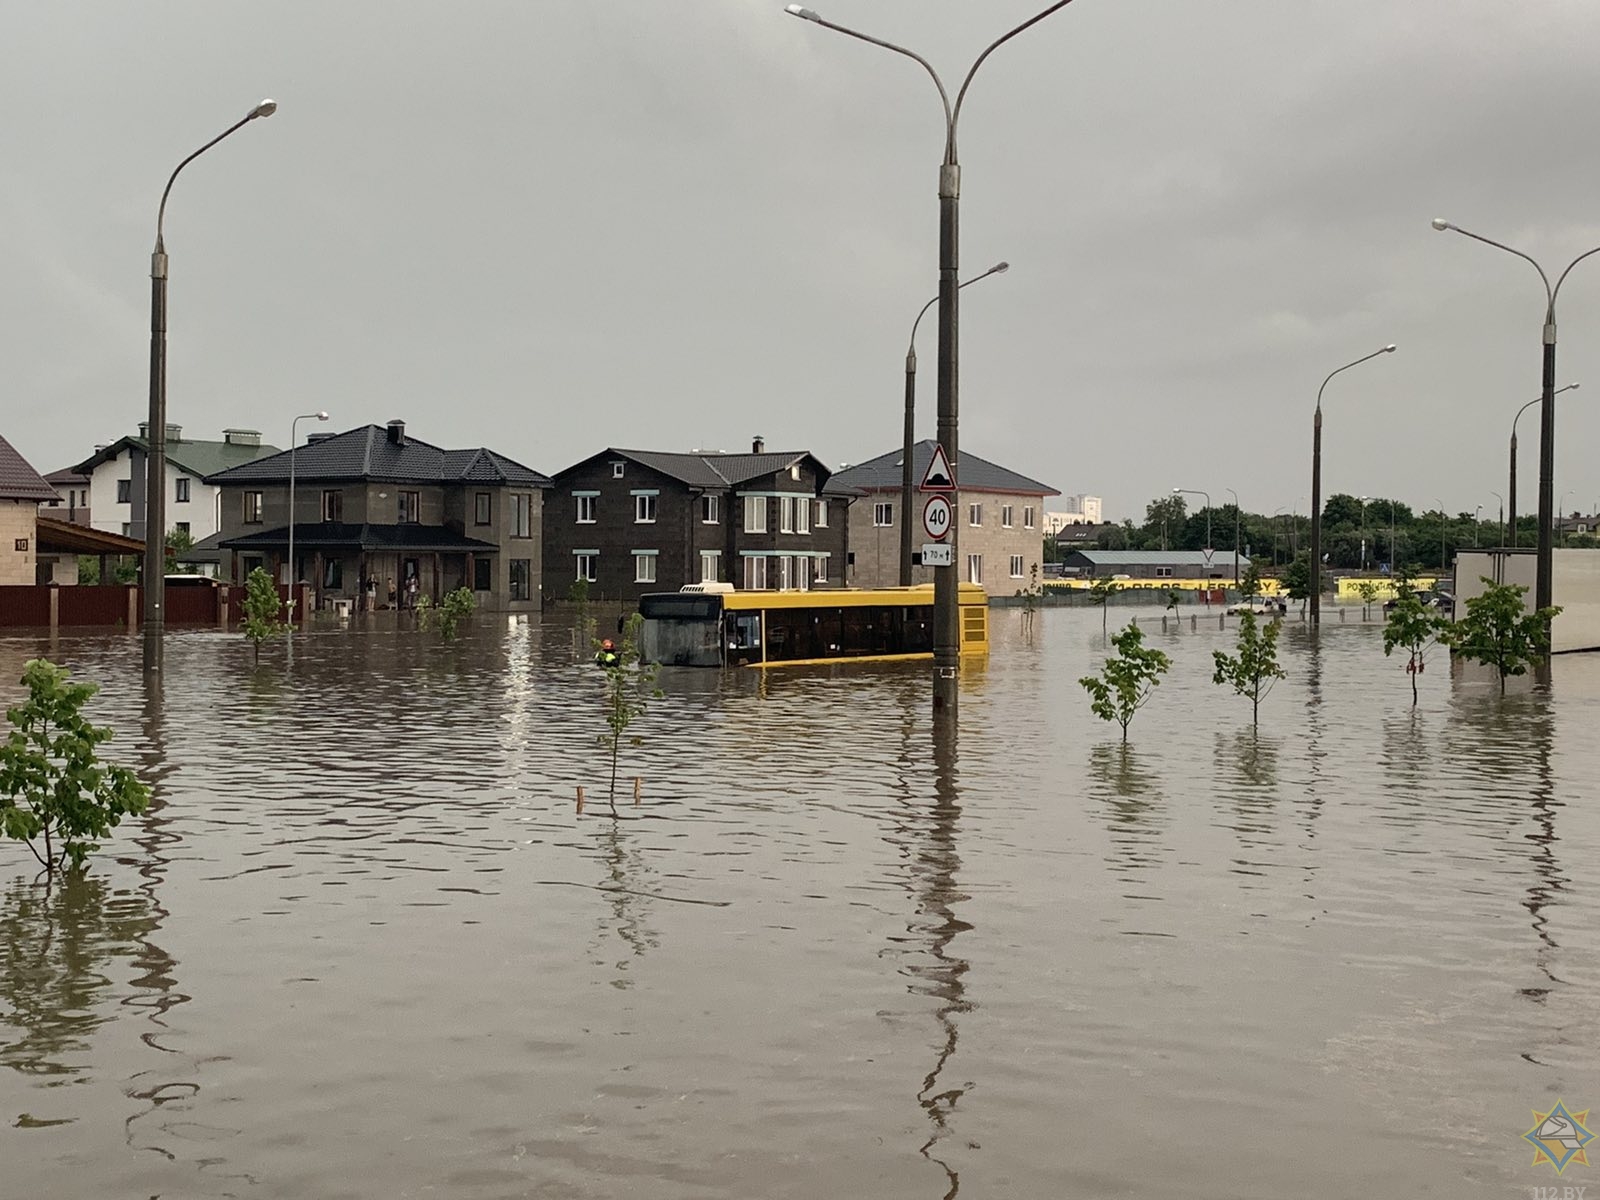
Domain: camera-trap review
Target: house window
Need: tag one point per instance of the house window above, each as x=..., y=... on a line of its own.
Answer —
x=521, y=579
x=252, y=508
x=616, y=470
x=708, y=510
x=586, y=506
x=1027, y=517
x=1005, y=516
x=521, y=514
x=883, y=514
x=126, y=529
x=710, y=561
x=802, y=515
x=333, y=573
x=644, y=508
x=794, y=472
x=974, y=568
x=482, y=575
x=755, y=573
x=333, y=506
x=1016, y=566
x=180, y=490
x=409, y=508
x=181, y=526
x=482, y=508
x=785, y=514
x=1163, y=572
x=974, y=515
x=755, y=514
x=821, y=569
x=124, y=491
x=586, y=561
x=821, y=521
x=644, y=566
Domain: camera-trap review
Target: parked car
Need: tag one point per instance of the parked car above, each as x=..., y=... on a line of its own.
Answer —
x=1259, y=608
x=1435, y=599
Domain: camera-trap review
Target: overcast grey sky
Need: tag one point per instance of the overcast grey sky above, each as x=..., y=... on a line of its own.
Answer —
x=554, y=225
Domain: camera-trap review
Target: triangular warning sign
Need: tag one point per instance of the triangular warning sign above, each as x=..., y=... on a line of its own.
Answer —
x=938, y=477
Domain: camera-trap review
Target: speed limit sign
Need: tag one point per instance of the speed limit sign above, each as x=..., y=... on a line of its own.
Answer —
x=936, y=517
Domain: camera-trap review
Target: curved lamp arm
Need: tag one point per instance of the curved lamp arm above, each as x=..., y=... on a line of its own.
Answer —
x=1389, y=349
x=950, y=149
x=1000, y=268
x=265, y=109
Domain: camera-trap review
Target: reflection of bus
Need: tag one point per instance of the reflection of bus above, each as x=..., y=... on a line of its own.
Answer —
x=764, y=629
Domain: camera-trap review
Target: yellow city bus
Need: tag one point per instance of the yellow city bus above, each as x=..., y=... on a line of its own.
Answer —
x=699, y=627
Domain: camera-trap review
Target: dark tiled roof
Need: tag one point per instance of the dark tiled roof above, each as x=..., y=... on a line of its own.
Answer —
x=198, y=458
x=975, y=474
x=19, y=481
x=367, y=453
x=712, y=469
x=67, y=477
x=346, y=536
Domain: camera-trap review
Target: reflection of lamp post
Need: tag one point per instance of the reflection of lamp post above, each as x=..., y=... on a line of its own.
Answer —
x=1543, y=579
x=1207, y=495
x=155, y=488
x=946, y=614
x=1511, y=493
x=906, y=490
x=1316, y=487
x=294, y=438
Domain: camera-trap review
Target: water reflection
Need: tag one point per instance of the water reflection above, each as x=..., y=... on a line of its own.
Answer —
x=1135, y=806
x=628, y=900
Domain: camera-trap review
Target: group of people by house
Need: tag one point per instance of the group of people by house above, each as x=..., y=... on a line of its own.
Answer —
x=397, y=599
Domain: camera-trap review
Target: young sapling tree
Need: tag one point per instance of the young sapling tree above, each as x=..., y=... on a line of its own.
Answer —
x=261, y=607
x=1498, y=631
x=629, y=686
x=1127, y=679
x=1415, y=627
x=1254, y=669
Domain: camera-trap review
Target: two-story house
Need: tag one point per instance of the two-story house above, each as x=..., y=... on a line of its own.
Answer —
x=999, y=519
x=22, y=490
x=634, y=521
x=374, y=504
x=72, y=497
x=118, y=473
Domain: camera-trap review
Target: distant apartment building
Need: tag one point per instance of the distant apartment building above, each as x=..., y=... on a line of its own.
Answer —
x=117, y=475
x=1075, y=510
x=998, y=517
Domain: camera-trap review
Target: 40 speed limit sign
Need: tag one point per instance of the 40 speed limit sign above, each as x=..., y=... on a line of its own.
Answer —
x=936, y=517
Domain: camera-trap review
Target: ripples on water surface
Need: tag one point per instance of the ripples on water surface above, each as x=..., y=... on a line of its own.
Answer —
x=362, y=946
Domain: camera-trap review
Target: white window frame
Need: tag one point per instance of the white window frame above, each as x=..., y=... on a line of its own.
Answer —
x=1006, y=512
x=708, y=509
x=785, y=514
x=802, y=514
x=794, y=472
x=644, y=508
x=755, y=572
x=975, y=515
x=755, y=514
x=588, y=504
x=1016, y=566
x=820, y=521
x=975, y=568
x=710, y=566
x=617, y=469
x=644, y=566
x=1163, y=572
x=522, y=514
x=587, y=564
x=820, y=573
x=1027, y=516
x=883, y=514
x=180, y=489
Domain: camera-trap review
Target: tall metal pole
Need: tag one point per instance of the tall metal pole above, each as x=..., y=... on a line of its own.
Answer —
x=1544, y=576
x=294, y=441
x=946, y=585
x=1502, y=517
x=1207, y=495
x=1316, y=487
x=1511, y=490
x=907, y=487
x=155, y=497
x=1236, y=514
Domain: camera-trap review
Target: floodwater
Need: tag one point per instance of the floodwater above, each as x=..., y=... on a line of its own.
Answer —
x=363, y=946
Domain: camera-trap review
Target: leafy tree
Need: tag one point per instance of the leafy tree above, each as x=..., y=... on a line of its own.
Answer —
x=1341, y=510
x=261, y=608
x=1250, y=582
x=1368, y=590
x=52, y=785
x=1296, y=579
x=1498, y=631
x=1170, y=599
x=88, y=570
x=1164, y=519
x=1415, y=627
x=127, y=570
x=630, y=684
x=456, y=607
x=1030, y=598
x=1127, y=680
x=1254, y=670
x=1100, y=592
x=179, y=541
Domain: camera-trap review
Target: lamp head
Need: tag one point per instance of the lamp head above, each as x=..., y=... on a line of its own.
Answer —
x=805, y=14
x=1389, y=349
x=1441, y=224
x=265, y=109
x=1000, y=268
x=1177, y=491
x=322, y=416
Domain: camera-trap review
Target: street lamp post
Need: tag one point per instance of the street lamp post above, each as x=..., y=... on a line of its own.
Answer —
x=1443, y=564
x=1316, y=487
x=1561, y=519
x=1511, y=489
x=1235, y=496
x=1207, y=495
x=155, y=497
x=1394, y=559
x=1543, y=578
x=1363, y=500
x=946, y=614
x=294, y=438
x=907, y=490
x=1502, y=517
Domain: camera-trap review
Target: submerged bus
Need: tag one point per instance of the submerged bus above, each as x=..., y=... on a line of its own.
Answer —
x=703, y=628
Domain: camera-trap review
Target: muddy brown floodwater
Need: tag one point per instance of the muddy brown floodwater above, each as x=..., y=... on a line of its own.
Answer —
x=362, y=945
